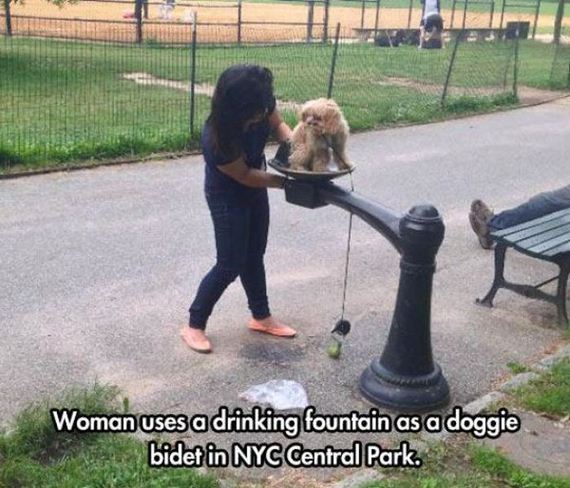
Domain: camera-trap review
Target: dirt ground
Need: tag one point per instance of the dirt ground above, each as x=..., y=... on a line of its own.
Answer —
x=177, y=28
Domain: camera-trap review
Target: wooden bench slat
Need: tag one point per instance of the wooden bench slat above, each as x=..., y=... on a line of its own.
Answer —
x=532, y=223
x=559, y=250
x=534, y=243
x=552, y=243
x=537, y=230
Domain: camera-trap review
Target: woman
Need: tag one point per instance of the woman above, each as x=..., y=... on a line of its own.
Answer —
x=242, y=116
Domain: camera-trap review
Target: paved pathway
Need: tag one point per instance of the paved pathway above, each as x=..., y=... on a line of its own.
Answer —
x=98, y=268
x=542, y=445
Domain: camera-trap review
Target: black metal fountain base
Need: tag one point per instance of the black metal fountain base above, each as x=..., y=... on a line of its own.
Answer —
x=404, y=377
x=404, y=393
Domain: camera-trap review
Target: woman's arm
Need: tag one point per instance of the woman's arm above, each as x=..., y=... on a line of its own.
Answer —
x=251, y=177
x=280, y=127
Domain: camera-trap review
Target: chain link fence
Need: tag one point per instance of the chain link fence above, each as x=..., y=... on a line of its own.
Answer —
x=560, y=73
x=249, y=20
x=66, y=99
x=482, y=73
x=301, y=70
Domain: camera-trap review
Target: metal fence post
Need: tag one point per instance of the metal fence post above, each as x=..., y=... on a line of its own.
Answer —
x=239, y=22
x=453, y=6
x=310, y=19
x=464, y=14
x=502, y=14
x=333, y=65
x=558, y=22
x=536, y=18
x=410, y=13
x=377, y=21
x=507, y=66
x=554, y=60
x=138, y=17
x=450, y=69
x=8, y=17
x=145, y=9
x=516, y=65
x=326, y=22
x=362, y=15
x=193, y=73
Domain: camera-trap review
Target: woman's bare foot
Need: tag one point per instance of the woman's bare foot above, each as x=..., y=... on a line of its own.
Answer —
x=272, y=326
x=196, y=340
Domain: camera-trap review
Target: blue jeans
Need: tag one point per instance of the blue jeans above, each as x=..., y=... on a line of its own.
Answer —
x=538, y=206
x=241, y=230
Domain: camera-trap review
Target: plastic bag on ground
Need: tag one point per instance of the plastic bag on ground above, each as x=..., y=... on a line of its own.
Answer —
x=280, y=394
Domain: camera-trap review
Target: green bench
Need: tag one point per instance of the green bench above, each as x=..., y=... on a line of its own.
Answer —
x=546, y=238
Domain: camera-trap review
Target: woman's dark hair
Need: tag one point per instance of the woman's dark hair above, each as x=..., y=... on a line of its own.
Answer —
x=242, y=92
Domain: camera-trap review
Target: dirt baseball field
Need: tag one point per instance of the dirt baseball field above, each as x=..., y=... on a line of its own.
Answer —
x=165, y=24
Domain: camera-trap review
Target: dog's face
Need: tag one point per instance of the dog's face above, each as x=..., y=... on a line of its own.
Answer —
x=321, y=116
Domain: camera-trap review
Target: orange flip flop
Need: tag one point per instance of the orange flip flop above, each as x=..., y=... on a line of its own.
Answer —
x=282, y=331
x=202, y=346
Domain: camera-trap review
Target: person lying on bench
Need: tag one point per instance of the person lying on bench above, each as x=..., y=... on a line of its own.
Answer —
x=483, y=220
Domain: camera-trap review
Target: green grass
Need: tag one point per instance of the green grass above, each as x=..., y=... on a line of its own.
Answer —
x=517, y=368
x=32, y=454
x=494, y=464
x=33, y=435
x=110, y=461
x=466, y=465
x=549, y=394
x=67, y=101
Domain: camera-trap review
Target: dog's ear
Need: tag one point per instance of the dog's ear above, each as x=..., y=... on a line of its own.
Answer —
x=303, y=111
x=302, y=135
x=332, y=118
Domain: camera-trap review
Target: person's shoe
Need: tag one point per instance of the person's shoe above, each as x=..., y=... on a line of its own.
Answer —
x=272, y=327
x=196, y=340
x=479, y=218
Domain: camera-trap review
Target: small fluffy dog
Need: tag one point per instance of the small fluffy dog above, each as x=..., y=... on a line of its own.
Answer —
x=322, y=129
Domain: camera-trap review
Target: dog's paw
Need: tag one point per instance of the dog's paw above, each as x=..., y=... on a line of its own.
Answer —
x=343, y=164
x=296, y=163
x=320, y=166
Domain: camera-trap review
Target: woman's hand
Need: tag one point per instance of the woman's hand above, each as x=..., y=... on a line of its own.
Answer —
x=251, y=177
x=279, y=126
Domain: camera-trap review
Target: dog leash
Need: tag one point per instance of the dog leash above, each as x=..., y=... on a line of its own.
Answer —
x=347, y=258
x=343, y=326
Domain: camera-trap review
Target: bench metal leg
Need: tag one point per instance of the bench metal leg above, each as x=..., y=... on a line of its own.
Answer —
x=499, y=279
x=529, y=291
x=561, y=295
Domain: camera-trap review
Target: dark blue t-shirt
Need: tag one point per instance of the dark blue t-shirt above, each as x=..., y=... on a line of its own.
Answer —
x=253, y=142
